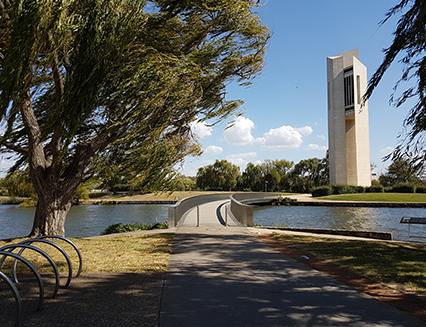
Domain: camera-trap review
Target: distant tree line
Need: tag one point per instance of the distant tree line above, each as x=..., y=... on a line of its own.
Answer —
x=271, y=175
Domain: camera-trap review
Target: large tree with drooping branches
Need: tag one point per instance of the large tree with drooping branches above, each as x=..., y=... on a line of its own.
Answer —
x=409, y=48
x=85, y=81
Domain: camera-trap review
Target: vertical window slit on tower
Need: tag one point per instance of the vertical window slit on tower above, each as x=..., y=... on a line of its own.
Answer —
x=349, y=87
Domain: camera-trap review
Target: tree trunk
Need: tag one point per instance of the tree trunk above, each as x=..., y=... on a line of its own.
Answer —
x=50, y=217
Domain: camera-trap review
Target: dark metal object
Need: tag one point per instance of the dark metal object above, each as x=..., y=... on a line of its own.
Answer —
x=73, y=245
x=44, y=254
x=16, y=296
x=413, y=220
x=27, y=244
x=67, y=258
x=33, y=269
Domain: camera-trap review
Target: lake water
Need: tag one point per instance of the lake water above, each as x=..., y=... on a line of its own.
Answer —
x=366, y=219
x=82, y=221
x=91, y=220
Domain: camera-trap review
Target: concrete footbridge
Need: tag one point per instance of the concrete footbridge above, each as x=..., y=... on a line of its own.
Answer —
x=225, y=276
x=222, y=209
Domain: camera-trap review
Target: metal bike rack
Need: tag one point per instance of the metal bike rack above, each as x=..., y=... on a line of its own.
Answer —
x=80, y=259
x=16, y=296
x=56, y=246
x=6, y=251
x=35, y=272
x=44, y=254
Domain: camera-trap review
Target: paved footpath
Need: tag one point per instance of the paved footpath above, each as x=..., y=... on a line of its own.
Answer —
x=224, y=276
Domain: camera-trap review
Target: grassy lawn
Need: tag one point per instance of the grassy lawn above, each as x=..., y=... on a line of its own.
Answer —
x=131, y=253
x=396, y=264
x=179, y=195
x=379, y=197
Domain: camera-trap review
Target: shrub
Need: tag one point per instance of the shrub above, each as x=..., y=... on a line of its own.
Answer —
x=82, y=193
x=322, y=191
x=375, y=189
x=359, y=189
x=124, y=228
x=421, y=189
x=404, y=188
x=346, y=189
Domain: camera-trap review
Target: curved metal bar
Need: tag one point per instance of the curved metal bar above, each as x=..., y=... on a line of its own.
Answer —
x=33, y=269
x=16, y=296
x=44, y=254
x=56, y=246
x=73, y=245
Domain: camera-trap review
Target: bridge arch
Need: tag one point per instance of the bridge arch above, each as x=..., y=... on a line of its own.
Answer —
x=239, y=208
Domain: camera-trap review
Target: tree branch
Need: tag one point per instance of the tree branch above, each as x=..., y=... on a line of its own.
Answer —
x=16, y=148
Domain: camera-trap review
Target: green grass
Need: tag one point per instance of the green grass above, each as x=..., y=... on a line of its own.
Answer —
x=106, y=254
x=393, y=263
x=378, y=197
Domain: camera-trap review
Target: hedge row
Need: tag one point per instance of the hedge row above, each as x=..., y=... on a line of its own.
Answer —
x=346, y=189
x=124, y=228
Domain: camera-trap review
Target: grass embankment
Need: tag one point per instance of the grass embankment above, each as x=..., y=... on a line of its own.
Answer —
x=128, y=196
x=399, y=265
x=132, y=253
x=377, y=197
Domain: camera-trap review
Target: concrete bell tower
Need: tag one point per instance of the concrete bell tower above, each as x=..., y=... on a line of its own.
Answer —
x=348, y=130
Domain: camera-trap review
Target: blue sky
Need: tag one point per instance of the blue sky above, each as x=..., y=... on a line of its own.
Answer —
x=285, y=111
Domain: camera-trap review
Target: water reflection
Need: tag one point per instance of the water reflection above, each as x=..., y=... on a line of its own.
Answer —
x=82, y=221
x=369, y=219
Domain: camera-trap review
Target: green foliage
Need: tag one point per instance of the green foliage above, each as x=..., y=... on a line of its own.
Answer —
x=83, y=193
x=252, y=178
x=402, y=171
x=108, y=89
x=308, y=174
x=421, y=189
x=183, y=183
x=29, y=202
x=408, y=47
x=322, y=191
x=375, y=189
x=404, y=188
x=346, y=189
x=124, y=228
x=271, y=175
x=18, y=184
x=221, y=176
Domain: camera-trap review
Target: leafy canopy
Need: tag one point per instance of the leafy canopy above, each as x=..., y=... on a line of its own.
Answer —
x=119, y=79
x=409, y=44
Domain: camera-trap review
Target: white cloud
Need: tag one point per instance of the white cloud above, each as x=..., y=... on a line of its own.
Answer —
x=284, y=137
x=240, y=159
x=200, y=129
x=386, y=151
x=213, y=149
x=240, y=132
x=246, y=155
x=5, y=164
x=305, y=131
x=322, y=137
x=316, y=147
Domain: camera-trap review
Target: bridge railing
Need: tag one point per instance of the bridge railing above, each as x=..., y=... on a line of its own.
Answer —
x=177, y=211
x=242, y=212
